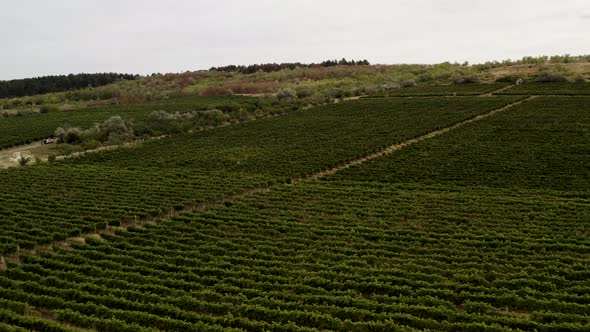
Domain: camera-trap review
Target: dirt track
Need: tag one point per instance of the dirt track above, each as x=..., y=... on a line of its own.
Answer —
x=8, y=157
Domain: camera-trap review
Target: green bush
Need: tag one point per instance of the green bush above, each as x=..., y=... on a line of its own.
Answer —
x=287, y=94
x=508, y=79
x=115, y=129
x=408, y=83
x=548, y=76
x=24, y=160
x=68, y=135
x=580, y=79
x=48, y=108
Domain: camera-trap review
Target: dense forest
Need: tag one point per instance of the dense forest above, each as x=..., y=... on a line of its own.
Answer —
x=270, y=67
x=57, y=83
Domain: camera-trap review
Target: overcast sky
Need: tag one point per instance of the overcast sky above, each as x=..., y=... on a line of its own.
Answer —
x=41, y=37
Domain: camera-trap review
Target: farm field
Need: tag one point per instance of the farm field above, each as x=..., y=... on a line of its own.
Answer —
x=540, y=144
x=448, y=90
x=33, y=127
x=48, y=202
x=330, y=256
x=564, y=88
x=480, y=228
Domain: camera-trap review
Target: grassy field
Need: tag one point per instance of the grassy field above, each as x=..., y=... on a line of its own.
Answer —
x=480, y=228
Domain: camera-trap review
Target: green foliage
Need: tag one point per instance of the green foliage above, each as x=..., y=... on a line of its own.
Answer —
x=190, y=168
x=115, y=129
x=345, y=255
x=546, y=76
x=444, y=90
x=45, y=84
x=460, y=77
x=287, y=94
x=70, y=135
x=540, y=144
x=33, y=127
x=565, y=88
x=408, y=83
x=480, y=229
x=512, y=79
x=24, y=160
x=48, y=108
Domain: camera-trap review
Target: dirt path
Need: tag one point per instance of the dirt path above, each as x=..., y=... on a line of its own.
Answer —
x=491, y=94
x=21, y=148
x=127, y=222
x=9, y=157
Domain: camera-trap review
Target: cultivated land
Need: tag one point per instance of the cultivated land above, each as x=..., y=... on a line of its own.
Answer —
x=448, y=213
x=32, y=127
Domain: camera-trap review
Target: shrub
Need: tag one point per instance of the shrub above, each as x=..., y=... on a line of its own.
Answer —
x=580, y=79
x=460, y=77
x=159, y=121
x=90, y=144
x=115, y=129
x=471, y=78
x=303, y=92
x=59, y=134
x=408, y=83
x=68, y=136
x=457, y=78
x=287, y=94
x=72, y=135
x=425, y=77
x=48, y=108
x=24, y=160
x=548, y=76
x=508, y=79
x=213, y=118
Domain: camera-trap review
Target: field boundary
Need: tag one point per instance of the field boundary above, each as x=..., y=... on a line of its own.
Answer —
x=127, y=222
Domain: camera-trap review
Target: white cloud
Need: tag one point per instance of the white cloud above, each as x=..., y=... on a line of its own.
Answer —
x=143, y=36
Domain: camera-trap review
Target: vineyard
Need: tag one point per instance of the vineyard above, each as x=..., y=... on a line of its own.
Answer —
x=480, y=228
x=51, y=201
x=540, y=144
x=448, y=90
x=28, y=128
x=565, y=88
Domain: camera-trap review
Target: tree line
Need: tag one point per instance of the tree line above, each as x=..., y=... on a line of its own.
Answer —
x=270, y=67
x=58, y=83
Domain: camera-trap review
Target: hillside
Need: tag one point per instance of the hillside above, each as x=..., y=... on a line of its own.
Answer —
x=316, y=83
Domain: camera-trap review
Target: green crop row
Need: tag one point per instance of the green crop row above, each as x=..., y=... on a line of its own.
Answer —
x=562, y=88
x=543, y=143
x=446, y=90
x=28, y=128
x=49, y=202
x=388, y=256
